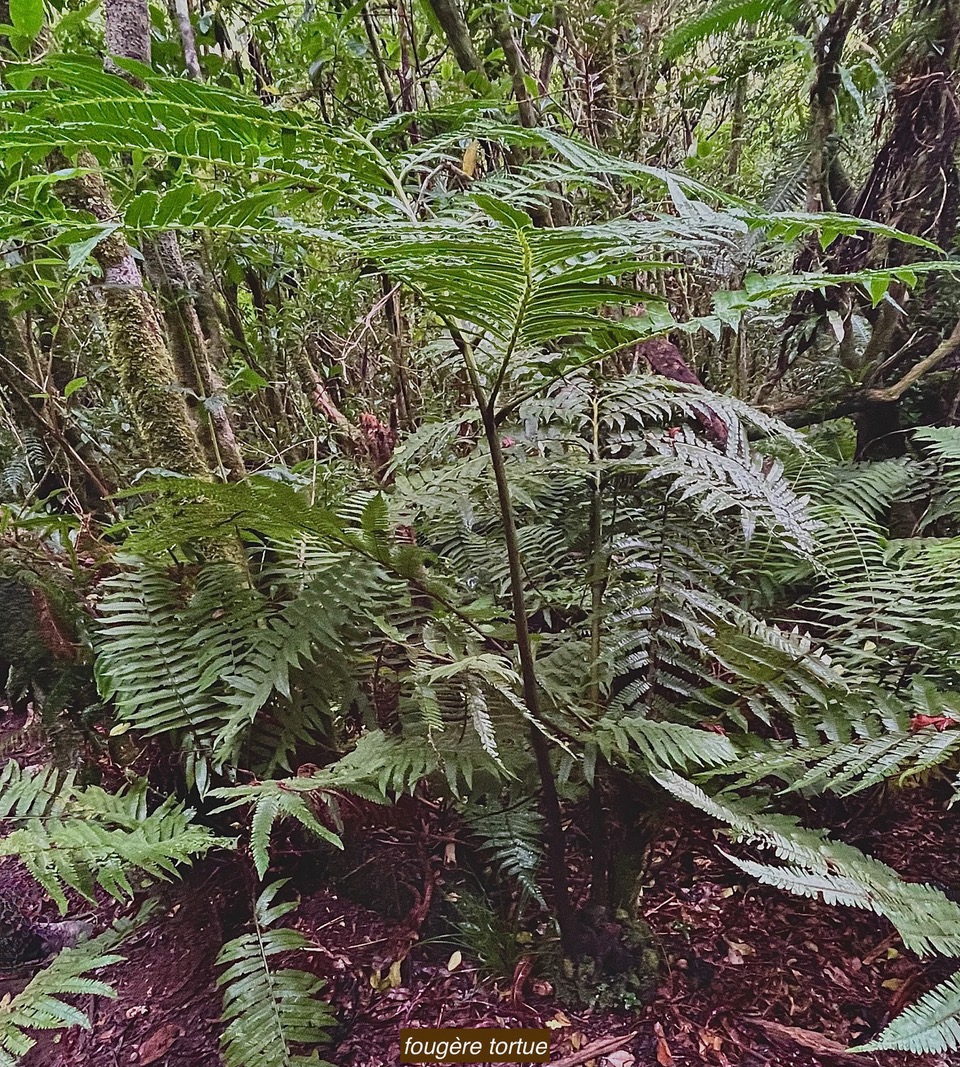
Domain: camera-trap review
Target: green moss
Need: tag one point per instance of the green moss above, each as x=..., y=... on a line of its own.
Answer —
x=609, y=981
x=146, y=374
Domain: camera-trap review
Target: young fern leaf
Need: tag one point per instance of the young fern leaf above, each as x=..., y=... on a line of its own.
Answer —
x=267, y=1009
x=39, y=1006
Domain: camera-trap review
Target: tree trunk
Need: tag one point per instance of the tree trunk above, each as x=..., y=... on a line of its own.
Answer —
x=828, y=52
x=136, y=343
x=450, y=15
x=526, y=106
x=181, y=15
x=188, y=349
x=128, y=35
x=127, y=30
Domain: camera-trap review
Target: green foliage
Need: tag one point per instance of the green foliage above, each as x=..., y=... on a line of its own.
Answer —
x=267, y=1009
x=691, y=568
x=40, y=1005
x=79, y=839
x=218, y=661
x=512, y=838
x=722, y=16
x=930, y=1025
x=834, y=872
x=273, y=800
x=485, y=935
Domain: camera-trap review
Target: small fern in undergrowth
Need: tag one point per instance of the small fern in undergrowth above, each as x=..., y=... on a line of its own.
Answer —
x=267, y=1009
x=40, y=1005
x=511, y=836
x=79, y=839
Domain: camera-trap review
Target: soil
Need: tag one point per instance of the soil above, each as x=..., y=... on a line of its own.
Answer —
x=750, y=977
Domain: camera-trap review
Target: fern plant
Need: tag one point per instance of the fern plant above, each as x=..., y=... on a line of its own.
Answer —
x=79, y=839
x=269, y=1010
x=579, y=599
x=40, y=1005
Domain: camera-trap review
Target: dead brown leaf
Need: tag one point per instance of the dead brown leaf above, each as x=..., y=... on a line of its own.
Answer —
x=158, y=1043
x=664, y=1055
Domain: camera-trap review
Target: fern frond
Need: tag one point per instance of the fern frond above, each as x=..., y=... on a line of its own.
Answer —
x=267, y=1009
x=722, y=16
x=271, y=806
x=925, y=918
x=90, y=837
x=850, y=767
x=512, y=837
x=661, y=744
x=39, y=1006
x=34, y=793
x=931, y=1025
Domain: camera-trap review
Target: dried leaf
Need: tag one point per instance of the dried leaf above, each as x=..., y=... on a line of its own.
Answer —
x=469, y=163
x=158, y=1043
x=664, y=1055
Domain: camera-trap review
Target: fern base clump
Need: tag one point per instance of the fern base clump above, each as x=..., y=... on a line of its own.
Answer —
x=618, y=969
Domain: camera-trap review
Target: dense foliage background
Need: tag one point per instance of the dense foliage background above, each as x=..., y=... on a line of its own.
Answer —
x=497, y=419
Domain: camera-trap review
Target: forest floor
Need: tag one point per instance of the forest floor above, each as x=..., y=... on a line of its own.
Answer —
x=750, y=977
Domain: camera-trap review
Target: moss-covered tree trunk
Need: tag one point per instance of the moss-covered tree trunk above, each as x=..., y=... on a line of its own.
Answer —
x=128, y=36
x=135, y=337
x=206, y=395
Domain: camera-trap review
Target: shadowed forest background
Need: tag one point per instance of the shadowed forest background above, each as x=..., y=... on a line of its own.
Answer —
x=479, y=530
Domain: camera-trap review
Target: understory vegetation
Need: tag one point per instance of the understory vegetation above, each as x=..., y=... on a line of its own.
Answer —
x=507, y=415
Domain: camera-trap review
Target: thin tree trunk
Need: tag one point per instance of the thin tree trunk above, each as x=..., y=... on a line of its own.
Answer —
x=128, y=34
x=828, y=53
x=526, y=105
x=188, y=348
x=450, y=15
x=127, y=31
x=377, y=52
x=570, y=939
x=181, y=14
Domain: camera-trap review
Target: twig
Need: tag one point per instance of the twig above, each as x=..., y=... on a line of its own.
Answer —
x=942, y=352
x=595, y=1049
